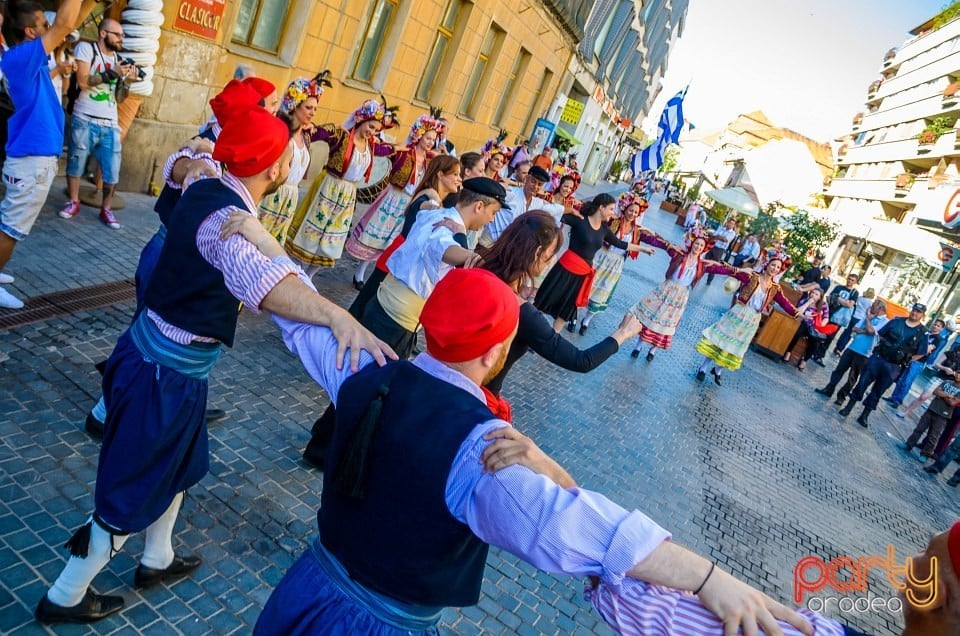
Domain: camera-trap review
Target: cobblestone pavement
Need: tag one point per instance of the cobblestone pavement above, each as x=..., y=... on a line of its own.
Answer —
x=756, y=474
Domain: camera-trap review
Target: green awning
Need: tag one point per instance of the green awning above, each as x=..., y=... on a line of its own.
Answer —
x=563, y=133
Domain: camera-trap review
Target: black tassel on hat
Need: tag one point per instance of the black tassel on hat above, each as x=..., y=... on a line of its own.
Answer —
x=79, y=543
x=351, y=474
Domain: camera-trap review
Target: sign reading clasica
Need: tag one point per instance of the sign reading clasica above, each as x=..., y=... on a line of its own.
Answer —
x=200, y=17
x=572, y=112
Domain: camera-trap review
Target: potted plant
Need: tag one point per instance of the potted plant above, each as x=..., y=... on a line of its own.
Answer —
x=827, y=180
x=904, y=181
x=842, y=150
x=950, y=96
x=928, y=137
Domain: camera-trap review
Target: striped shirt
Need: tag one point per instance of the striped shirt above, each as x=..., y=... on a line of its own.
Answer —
x=185, y=153
x=247, y=273
x=636, y=607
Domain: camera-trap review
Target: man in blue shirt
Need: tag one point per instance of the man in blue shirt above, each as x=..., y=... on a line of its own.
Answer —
x=855, y=358
x=35, y=130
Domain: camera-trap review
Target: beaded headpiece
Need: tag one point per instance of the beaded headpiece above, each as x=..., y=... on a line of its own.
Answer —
x=781, y=256
x=629, y=198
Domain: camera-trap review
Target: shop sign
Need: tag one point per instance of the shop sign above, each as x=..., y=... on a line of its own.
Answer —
x=572, y=112
x=948, y=256
x=200, y=17
x=951, y=212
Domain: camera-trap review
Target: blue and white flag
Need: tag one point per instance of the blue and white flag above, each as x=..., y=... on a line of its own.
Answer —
x=671, y=123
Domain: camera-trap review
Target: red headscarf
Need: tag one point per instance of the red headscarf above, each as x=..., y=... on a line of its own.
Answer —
x=469, y=311
x=953, y=545
x=251, y=141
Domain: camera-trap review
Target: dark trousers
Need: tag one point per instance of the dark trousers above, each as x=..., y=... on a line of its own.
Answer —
x=950, y=454
x=851, y=363
x=878, y=375
x=384, y=327
x=845, y=337
x=805, y=332
x=715, y=254
x=932, y=424
x=367, y=293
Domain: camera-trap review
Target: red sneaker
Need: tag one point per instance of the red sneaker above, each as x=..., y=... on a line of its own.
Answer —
x=69, y=210
x=106, y=215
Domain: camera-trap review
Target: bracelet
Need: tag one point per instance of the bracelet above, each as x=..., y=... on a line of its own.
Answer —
x=713, y=565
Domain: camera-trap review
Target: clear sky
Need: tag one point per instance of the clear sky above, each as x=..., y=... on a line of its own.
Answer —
x=805, y=63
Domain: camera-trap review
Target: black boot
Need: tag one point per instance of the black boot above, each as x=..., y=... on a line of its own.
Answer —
x=955, y=480
x=864, y=416
x=826, y=391
x=845, y=411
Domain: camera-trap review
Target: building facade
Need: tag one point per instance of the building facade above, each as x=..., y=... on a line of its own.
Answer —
x=897, y=172
x=489, y=65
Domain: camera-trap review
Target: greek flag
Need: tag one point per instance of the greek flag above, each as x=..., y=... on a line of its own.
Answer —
x=671, y=123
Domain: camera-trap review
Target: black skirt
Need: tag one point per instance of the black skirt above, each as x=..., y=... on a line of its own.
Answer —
x=557, y=296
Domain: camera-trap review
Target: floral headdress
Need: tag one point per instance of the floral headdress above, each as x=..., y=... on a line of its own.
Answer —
x=781, y=256
x=422, y=126
x=497, y=147
x=298, y=91
x=368, y=110
x=560, y=171
x=629, y=198
x=697, y=232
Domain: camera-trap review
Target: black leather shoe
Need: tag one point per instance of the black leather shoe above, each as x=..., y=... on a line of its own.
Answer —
x=953, y=481
x=572, y=327
x=862, y=420
x=635, y=353
x=215, y=414
x=701, y=375
x=583, y=329
x=92, y=608
x=357, y=284
x=823, y=392
x=314, y=457
x=146, y=577
x=819, y=361
x=932, y=469
x=649, y=356
x=716, y=377
x=93, y=426
x=845, y=411
x=101, y=367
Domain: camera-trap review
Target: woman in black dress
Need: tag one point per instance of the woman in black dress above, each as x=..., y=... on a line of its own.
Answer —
x=567, y=287
x=441, y=180
x=521, y=253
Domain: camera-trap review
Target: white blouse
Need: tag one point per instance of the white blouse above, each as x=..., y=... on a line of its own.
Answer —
x=299, y=165
x=357, y=171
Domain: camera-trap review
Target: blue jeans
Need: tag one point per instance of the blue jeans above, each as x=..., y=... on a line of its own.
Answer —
x=905, y=381
x=99, y=137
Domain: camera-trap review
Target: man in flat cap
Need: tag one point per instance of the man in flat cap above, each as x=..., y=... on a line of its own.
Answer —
x=410, y=504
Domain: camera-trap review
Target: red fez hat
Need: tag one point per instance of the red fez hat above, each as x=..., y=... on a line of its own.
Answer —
x=262, y=86
x=251, y=141
x=953, y=545
x=235, y=94
x=469, y=311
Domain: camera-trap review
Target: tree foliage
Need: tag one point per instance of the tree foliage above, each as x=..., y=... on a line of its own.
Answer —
x=950, y=11
x=803, y=234
x=670, y=157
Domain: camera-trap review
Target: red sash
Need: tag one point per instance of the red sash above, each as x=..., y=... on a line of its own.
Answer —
x=574, y=264
x=498, y=406
x=382, y=261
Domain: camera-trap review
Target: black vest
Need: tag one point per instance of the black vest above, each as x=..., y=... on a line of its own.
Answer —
x=400, y=540
x=185, y=290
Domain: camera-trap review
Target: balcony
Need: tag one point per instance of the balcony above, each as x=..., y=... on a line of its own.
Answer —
x=950, y=97
x=873, y=90
x=903, y=184
x=890, y=60
x=857, y=120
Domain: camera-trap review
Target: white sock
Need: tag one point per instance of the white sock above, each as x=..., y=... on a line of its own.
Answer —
x=71, y=586
x=639, y=344
x=705, y=364
x=100, y=410
x=653, y=350
x=361, y=272
x=588, y=318
x=716, y=371
x=158, y=540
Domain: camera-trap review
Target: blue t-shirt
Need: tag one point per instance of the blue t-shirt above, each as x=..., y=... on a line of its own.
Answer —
x=36, y=128
x=862, y=343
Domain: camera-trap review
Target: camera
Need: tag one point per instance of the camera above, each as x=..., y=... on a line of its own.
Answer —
x=140, y=72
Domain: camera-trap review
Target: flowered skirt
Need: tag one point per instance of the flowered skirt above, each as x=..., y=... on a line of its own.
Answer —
x=379, y=225
x=726, y=341
x=276, y=210
x=660, y=311
x=320, y=225
x=609, y=266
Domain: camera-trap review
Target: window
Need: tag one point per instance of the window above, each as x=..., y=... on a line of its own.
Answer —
x=441, y=44
x=509, y=91
x=377, y=31
x=260, y=23
x=480, y=76
x=601, y=40
x=535, y=99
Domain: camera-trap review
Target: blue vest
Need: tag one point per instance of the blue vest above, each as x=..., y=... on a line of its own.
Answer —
x=185, y=290
x=400, y=539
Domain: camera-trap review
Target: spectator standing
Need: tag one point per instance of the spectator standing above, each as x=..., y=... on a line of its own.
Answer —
x=543, y=160
x=842, y=302
x=35, y=130
x=859, y=311
x=723, y=238
x=935, y=337
x=854, y=359
x=93, y=126
x=934, y=420
x=59, y=63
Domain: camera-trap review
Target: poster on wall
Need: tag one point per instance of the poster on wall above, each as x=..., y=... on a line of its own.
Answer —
x=542, y=136
x=200, y=17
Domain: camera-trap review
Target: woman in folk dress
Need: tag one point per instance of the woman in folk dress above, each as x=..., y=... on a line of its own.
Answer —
x=725, y=342
x=381, y=223
x=320, y=225
x=297, y=108
x=610, y=259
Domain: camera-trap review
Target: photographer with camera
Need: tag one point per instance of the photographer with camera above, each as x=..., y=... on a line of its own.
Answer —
x=902, y=340
x=101, y=77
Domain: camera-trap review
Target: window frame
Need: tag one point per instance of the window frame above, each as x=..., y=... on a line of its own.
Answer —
x=504, y=109
x=384, y=42
x=281, y=36
x=453, y=35
x=497, y=34
x=542, y=87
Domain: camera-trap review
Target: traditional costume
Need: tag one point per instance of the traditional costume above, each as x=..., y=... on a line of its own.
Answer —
x=322, y=220
x=726, y=341
x=407, y=448
x=660, y=311
x=609, y=261
x=381, y=222
x=155, y=437
x=276, y=210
